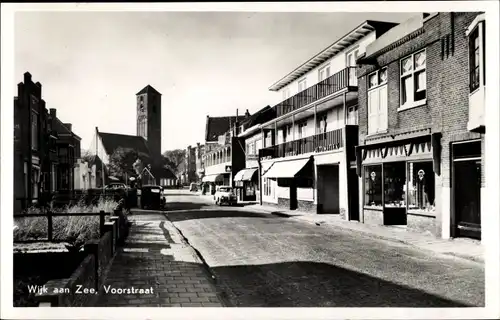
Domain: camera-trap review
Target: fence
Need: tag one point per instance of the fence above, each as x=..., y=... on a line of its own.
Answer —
x=50, y=223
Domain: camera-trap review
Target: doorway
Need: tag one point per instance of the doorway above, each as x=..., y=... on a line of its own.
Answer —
x=353, y=194
x=394, y=193
x=328, y=189
x=467, y=189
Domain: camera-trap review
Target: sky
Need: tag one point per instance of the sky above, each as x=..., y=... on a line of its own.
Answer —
x=91, y=64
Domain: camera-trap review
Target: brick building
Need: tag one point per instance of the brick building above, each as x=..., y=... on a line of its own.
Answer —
x=45, y=149
x=421, y=125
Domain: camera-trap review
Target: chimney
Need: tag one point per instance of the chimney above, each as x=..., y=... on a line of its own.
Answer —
x=69, y=126
x=52, y=113
x=96, y=130
x=247, y=114
x=27, y=77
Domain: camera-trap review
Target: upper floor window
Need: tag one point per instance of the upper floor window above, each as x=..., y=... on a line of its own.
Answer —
x=302, y=84
x=286, y=93
x=413, y=80
x=322, y=124
x=302, y=129
x=351, y=57
x=34, y=130
x=287, y=132
x=323, y=73
x=476, y=34
x=377, y=101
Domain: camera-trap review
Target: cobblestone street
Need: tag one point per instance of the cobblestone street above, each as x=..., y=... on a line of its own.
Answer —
x=155, y=256
x=261, y=260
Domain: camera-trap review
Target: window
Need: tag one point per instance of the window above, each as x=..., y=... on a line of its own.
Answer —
x=302, y=129
x=34, y=130
x=322, y=123
x=413, y=80
x=421, y=190
x=394, y=184
x=377, y=101
x=302, y=84
x=373, y=187
x=352, y=115
x=286, y=93
x=323, y=73
x=474, y=59
x=351, y=57
x=287, y=132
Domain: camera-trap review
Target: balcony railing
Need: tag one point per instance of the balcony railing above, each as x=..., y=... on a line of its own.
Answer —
x=321, y=142
x=340, y=80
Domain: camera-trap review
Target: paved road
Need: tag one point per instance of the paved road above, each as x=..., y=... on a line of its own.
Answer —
x=261, y=260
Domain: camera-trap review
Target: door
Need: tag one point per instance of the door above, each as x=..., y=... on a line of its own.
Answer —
x=353, y=194
x=466, y=191
x=467, y=177
x=328, y=189
x=293, y=195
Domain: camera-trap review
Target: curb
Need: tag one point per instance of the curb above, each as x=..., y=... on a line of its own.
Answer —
x=377, y=236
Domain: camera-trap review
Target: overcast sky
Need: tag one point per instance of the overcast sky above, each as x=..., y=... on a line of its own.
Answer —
x=91, y=64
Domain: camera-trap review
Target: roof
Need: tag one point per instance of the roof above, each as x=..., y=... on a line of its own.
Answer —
x=61, y=128
x=217, y=126
x=164, y=172
x=263, y=115
x=350, y=38
x=113, y=141
x=148, y=89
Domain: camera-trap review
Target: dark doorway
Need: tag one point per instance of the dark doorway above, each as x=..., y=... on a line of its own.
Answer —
x=293, y=194
x=352, y=194
x=394, y=196
x=328, y=189
x=467, y=189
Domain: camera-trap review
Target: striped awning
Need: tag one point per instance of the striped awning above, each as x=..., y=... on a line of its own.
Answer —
x=245, y=174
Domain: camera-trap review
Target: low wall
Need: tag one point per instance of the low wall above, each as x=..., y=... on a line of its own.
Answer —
x=90, y=273
x=374, y=217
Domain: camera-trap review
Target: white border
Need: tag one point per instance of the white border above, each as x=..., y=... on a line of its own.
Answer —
x=490, y=230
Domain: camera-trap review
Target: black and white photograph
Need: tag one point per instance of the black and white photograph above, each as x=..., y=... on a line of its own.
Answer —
x=323, y=160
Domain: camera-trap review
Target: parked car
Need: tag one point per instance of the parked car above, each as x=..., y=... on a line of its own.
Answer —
x=193, y=187
x=152, y=197
x=225, y=195
x=115, y=186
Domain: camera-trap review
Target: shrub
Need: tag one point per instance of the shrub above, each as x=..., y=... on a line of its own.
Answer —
x=75, y=230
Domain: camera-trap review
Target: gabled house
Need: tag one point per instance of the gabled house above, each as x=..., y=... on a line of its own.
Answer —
x=421, y=125
x=307, y=159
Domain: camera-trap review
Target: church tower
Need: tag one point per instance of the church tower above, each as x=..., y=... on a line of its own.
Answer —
x=149, y=119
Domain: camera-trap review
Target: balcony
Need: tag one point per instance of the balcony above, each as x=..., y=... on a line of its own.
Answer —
x=344, y=79
x=322, y=142
x=476, y=110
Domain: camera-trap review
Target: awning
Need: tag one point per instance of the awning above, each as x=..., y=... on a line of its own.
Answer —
x=286, y=169
x=245, y=174
x=212, y=177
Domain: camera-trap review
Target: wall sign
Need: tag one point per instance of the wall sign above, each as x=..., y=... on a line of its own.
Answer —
x=228, y=168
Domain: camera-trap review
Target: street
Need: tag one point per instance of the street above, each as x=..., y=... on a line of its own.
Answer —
x=262, y=260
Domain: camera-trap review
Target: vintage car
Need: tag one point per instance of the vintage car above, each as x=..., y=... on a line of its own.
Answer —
x=225, y=195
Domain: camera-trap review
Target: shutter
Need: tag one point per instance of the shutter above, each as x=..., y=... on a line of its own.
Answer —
x=382, y=112
x=372, y=111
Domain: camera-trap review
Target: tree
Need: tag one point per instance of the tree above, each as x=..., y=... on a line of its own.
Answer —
x=124, y=163
x=173, y=158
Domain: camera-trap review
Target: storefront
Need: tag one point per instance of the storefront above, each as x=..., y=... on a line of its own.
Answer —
x=399, y=182
x=213, y=180
x=246, y=184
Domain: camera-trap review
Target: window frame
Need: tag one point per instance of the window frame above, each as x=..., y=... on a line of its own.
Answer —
x=304, y=81
x=379, y=86
x=324, y=68
x=35, y=132
x=300, y=129
x=412, y=74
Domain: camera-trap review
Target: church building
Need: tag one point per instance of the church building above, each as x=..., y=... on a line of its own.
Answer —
x=146, y=142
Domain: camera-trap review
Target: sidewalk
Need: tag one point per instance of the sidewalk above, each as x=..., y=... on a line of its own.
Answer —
x=463, y=248
x=156, y=259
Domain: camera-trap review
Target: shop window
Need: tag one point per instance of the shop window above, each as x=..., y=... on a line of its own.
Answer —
x=394, y=184
x=373, y=187
x=421, y=187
